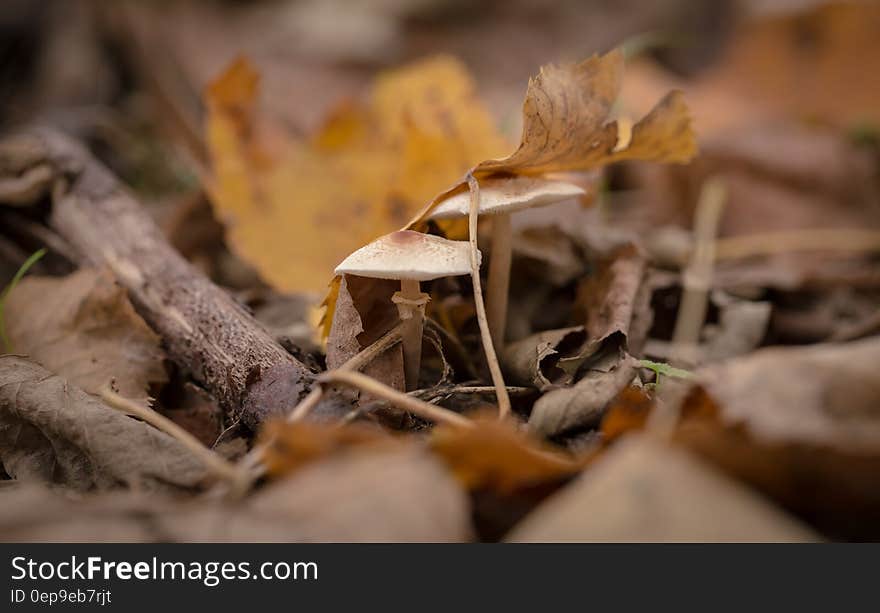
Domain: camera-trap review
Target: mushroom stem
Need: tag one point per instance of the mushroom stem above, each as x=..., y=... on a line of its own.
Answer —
x=499, y=278
x=410, y=290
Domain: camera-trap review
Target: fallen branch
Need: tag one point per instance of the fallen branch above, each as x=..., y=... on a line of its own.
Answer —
x=205, y=331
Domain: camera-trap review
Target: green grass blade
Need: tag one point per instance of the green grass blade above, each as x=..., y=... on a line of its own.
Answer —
x=22, y=271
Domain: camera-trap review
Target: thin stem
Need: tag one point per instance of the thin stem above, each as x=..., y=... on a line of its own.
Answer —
x=498, y=286
x=697, y=276
x=410, y=289
x=485, y=335
x=217, y=465
x=767, y=243
x=404, y=401
x=356, y=362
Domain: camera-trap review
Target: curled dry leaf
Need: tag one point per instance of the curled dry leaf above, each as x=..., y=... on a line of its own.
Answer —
x=397, y=496
x=360, y=177
x=645, y=491
x=83, y=328
x=584, y=403
x=51, y=431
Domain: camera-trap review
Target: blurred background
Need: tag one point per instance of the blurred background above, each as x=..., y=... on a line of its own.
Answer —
x=783, y=93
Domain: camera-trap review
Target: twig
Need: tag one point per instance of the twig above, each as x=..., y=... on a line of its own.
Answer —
x=356, y=362
x=485, y=335
x=432, y=393
x=399, y=399
x=218, y=466
x=768, y=243
x=697, y=276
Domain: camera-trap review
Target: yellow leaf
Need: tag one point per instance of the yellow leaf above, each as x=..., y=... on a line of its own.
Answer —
x=294, y=209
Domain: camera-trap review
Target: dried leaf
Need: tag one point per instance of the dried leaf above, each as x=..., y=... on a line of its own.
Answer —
x=363, y=176
x=546, y=359
x=823, y=395
x=53, y=432
x=83, y=328
x=290, y=446
x=642, y=490
x=495, y=456
x=583, y=403
x=402, y=496
x=363, y=312
x=567, y=126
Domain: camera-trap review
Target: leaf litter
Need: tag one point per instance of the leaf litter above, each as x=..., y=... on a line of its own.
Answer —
x=610, y=436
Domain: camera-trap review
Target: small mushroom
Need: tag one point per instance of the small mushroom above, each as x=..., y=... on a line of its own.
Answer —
x=499, y=197
x=410, y=257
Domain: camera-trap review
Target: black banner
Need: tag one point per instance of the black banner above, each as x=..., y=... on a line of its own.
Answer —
x=240, y=577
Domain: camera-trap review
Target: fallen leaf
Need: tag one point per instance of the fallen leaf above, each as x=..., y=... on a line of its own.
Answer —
x=799, y=424
x=363, y=312
x=496, y=456
x=361, y=177
x=567, y=126
x=290, y=446
x=53, y=432
x=83, y=328
x=834, y=402
x=627, y=413
x=583, y=404
x=401, y=496
x=644, y=491
x=546, y=359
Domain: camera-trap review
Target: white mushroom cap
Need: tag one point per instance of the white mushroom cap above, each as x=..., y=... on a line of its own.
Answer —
x=409, y=255
x=506, y=195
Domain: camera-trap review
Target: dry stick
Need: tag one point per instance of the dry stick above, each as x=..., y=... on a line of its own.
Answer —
x=697, y=279
x=356, y=362
x=485, y=335
x=768, y=243
x=251, y=462
x=218, y=466
x=204, y=329
x=404, y=401
x=697, y=276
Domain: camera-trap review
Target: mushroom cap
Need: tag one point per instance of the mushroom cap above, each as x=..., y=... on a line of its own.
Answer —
x=409, y=255
x=506, y=195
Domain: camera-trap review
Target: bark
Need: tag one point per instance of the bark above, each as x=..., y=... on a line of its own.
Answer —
x=204, y=329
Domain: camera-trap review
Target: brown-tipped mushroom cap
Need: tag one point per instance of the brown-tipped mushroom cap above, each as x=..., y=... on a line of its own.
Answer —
x=506, y=195
x=409, y=255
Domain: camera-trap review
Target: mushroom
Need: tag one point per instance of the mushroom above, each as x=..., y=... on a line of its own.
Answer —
x=499, y=197
x=410, y=257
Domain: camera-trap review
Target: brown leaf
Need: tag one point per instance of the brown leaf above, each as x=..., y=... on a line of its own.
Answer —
x=83, y=328
x=495, y=456
x=290, y=446
x=567, y=126
x=823, y=395
x=396, y=496
x=642, y=490
x=363, y=312
x=53, y=432
x=583, y=404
